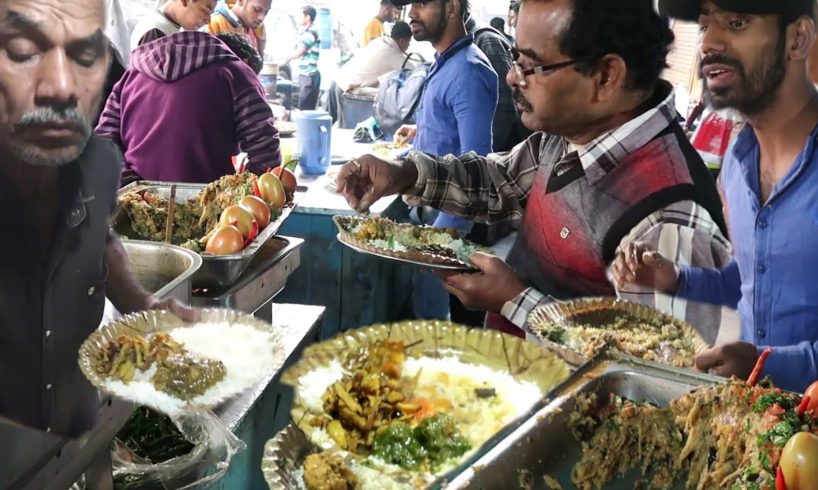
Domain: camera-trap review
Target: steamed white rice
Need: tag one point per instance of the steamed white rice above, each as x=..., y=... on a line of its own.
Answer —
x=247, y=355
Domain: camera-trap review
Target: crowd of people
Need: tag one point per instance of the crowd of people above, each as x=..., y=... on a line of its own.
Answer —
x=609, y=196
x=568, y=136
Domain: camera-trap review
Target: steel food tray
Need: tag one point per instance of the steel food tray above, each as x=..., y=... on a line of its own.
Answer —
x=542, y=445
x=216, y=270
x=260, y=282
x=163, y=270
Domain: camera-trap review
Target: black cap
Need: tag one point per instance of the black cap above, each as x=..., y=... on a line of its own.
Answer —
x=690, y=9
x=401, y=3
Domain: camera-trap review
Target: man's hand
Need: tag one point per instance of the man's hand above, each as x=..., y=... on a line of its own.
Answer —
x=368, y=178
x=735, y=359
x=176, y=307
x=406, y=134
x=638, y=264
x=488, y=290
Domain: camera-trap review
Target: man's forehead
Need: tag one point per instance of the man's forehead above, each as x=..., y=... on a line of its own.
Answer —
x=540, y=28
x=265, y=4
x=78, y=16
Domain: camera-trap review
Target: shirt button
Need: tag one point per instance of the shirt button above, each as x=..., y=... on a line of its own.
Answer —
x=48, y=387
x=762, y=224
x=761, y=333
x=75, y=213
x=48, y=333
x=761, y=269
x=48, y=429
x=91, y=291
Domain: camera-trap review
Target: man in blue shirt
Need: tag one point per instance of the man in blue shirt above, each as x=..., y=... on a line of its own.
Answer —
x=754, y=59
x=454, y=117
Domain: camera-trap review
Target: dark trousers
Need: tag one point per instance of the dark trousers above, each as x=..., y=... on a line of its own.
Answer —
x=335, y=99
x=309, y=86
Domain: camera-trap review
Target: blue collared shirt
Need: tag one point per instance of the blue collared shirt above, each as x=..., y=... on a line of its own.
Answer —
x=458, y=103
x=774, y=274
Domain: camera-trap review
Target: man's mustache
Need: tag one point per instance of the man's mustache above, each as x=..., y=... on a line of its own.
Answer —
x=69, y=116
x=719, y=59
x=520, y=100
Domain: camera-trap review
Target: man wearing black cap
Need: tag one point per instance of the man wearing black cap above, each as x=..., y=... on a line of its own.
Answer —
x=754, y=59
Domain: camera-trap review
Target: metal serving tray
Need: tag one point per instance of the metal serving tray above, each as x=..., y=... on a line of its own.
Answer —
x=263, y=279
x=543, y=445
x=216, y=270
x=163, y=270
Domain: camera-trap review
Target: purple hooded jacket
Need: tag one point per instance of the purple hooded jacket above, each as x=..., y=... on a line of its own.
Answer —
x=185, y=106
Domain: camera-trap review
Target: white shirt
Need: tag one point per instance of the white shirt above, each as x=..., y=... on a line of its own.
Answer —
x=379, y=57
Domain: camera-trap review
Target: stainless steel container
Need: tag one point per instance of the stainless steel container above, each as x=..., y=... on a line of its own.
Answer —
x=216, y=270
x=543, y=444
x=263, y=279
x=163, y=270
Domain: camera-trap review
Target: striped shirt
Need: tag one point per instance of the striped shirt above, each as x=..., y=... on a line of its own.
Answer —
x=185, y=106
x=309, y=40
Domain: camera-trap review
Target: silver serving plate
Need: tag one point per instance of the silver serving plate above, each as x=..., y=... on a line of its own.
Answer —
x=216, y=270
x=543, y=444
x=163, y=270
x=402, y=260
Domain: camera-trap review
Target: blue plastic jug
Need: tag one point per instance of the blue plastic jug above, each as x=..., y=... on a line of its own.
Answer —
x=314, y=132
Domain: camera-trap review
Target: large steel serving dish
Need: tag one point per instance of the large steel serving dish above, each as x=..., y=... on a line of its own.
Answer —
x=217, y=270
x=543, y=444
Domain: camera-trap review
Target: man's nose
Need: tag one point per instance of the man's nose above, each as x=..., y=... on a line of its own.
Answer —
x=56, y=83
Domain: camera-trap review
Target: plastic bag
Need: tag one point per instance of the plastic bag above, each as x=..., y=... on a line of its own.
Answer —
x=204, y=465
x=714, y=136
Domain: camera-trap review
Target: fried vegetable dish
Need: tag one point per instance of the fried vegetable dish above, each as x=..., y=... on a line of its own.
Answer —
x=328, y=471
x=367, y=399
x=177, y=373
x=721, y=436
x=369, y=413
x=193, y=219
x=404, y=238
x=652, y=339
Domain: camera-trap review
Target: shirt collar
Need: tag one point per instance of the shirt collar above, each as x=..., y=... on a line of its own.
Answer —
x=603, y=154
x=745, y=153
x=440, y=59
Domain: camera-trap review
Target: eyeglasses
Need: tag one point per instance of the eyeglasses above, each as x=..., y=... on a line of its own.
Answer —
x=523, y=73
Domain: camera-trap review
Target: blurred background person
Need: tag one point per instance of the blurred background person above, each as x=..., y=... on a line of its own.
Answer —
x=380, y=57
x=307, y=53
x=375, y=29
x=157, y=117
x=500, y=24
x=171, y=17
x=244, y=17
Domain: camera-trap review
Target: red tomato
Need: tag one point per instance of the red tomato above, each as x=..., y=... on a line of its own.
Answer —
x=240, y=218
x=225, y=240
x=287, y=178
x=272, y=191
x=259, y=208
x=812, y=393
x=799, y=461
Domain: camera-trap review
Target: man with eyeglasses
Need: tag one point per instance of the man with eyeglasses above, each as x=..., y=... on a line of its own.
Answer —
x=608, y=165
